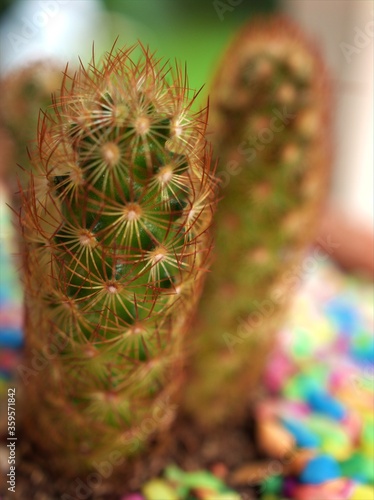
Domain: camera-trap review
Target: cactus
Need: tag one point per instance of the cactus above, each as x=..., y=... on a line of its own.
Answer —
x=24, y=92
x=116, y=232
x=269, y=123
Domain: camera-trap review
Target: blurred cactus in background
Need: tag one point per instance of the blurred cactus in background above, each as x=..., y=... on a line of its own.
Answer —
x=24, y=92
x=115, y=225
x=269, y=124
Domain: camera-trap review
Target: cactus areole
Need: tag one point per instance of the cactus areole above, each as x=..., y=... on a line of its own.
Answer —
x=116, y=231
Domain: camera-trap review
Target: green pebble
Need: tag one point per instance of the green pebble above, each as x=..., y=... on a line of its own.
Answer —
x=273, y=485
x=362, y=341
x=297, y=387
x=197, y=479
x=157, y=489
x=367, y=438
x=229, y=495
x=367, y=383
x=338, y=444
x=292, y=389
x=317, y=374
x=358, y=467
x=334, y=439
x=303, y=345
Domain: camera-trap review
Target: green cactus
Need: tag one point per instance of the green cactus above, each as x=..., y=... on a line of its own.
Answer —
x=116, y=232
x=269, y=123
x=24, y=92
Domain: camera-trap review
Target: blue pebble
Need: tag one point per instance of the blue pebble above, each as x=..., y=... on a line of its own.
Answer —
x=320, y=469
x=11, y=338
x=321, y=402
x=344, y=316
x=363, y=351
x=4, y=294
x=303, y=436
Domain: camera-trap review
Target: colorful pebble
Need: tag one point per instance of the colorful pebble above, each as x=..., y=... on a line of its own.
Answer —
x=367, y=437
x=343, y=316
x=340, y=489
x=303, y=436
x=197, y=479
x=290, y=484
x=362, y=492
x=11, y=317
x=214, y=495
x=338, y=445
x=359, y=467
x=158, y=489
x=320, y=469
x=273, y=485
x=279, y=370
x=11, y=338
x=362, y=348
x=8, y=360
x=321, y=402
x=334, y=440
x=298, y=462
x=274, y=439
x=297, y=387
x=354, y=395
x=352, y=425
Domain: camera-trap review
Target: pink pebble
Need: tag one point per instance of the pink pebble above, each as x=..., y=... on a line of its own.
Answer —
x=349, y=487
x=308, y=492
x=294, y=409
x=337, y=379
x=352, y=424
x=133, y=496
x=279, y=370
x=275, y=408
x=342, y=345
x=8, y=359
x=11, y=317
x=338, y=489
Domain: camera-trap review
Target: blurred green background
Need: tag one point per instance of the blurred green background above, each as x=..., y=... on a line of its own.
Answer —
x=191, y=31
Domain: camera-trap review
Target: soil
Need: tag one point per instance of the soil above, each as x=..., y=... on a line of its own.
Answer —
x=230, y=452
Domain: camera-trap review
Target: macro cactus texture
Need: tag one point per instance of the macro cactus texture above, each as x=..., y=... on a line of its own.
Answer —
x=24, y=91
x=116, y=231
x=269, y=124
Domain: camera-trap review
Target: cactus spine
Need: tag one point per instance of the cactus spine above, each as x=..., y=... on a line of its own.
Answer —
x=269, y=123
x=116, y=230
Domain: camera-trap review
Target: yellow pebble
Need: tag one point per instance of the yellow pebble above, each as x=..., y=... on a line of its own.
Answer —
x=357, y=400
x=363, y=492
x=340, y=449
x=367, y=449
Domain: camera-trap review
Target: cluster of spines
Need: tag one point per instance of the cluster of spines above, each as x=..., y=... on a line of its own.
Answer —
x=269, y=123
x=116, y=230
